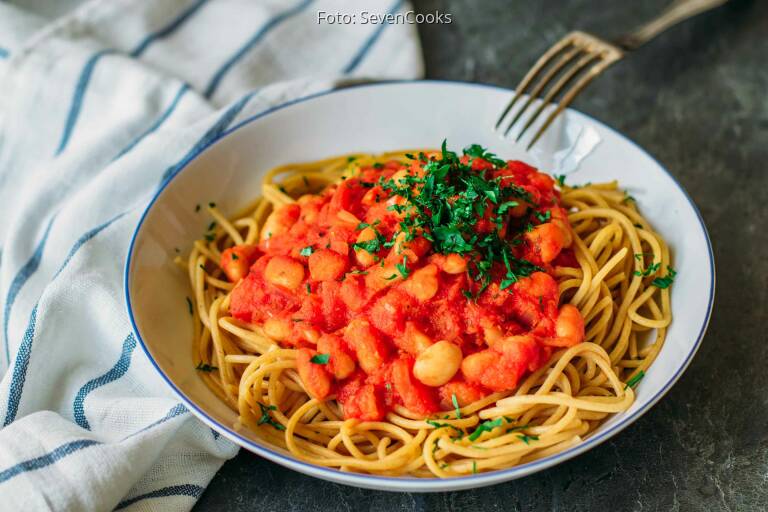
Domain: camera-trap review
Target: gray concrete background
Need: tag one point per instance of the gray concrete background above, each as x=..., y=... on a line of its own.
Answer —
x=697, y=99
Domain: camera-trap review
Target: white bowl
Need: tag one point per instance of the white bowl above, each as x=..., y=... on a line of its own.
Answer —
x=375, y=118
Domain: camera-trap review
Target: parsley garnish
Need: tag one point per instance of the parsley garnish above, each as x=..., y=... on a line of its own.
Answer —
x=211, y=226
x=358, y=272
x=631, y=383
x=205, y=367
x=526, y=438
x=560, y=178
x=445, y=204
x=212, y=205
x=455, y=403
x=664, y=282
x=267, y=418
x=437, y=424
x=189, y=305
x=403, y=268
x=651, y=269
x=477, y=151
x=378, y=166
x=543, y=217
x=320, y=358
x=234, y=256
x=309, y=289
x=306, y=251
x=210, y=237
x=485, y=426
x=474, y=466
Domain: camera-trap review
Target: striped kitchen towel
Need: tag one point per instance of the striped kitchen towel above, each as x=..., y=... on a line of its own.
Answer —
x=96, y=109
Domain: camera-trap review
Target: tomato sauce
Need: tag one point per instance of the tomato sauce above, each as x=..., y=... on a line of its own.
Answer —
x=366, y=315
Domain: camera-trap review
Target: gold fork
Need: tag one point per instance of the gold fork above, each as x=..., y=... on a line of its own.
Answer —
x=581, y=57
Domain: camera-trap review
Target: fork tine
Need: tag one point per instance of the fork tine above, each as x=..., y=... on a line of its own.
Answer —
x=570, y=95
x=564, y=80
x=533, y=73
x=551, y=73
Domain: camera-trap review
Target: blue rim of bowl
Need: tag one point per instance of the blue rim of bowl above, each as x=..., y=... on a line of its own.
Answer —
x=395, y=483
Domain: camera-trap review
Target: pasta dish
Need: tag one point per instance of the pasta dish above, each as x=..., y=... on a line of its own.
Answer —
x=427, y=313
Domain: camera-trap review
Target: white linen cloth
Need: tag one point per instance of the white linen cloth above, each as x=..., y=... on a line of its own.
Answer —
x=96, y=109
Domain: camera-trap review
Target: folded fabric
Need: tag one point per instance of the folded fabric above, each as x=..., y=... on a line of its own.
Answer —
x=96, y=110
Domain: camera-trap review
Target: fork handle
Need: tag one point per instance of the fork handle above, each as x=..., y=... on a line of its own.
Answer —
x=679, y=10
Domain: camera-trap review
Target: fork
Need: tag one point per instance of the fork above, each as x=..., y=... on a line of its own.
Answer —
x=581, y=57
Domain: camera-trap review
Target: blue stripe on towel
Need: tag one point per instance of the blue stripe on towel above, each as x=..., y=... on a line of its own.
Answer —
x=4, y=54
x=85, y=74
x=156, y=125
x=25, y=349
x=18, y=282
x=19, y=375
x=176, y=410
x=217, y=129
x=253, y=41
x=363, y=51
x=84, y=238
x=191, y=490
x=47, y=459
x=77, y=98
x=168, y=29
x=117, y=371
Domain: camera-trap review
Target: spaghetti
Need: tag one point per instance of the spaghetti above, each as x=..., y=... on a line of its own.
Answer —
x=618, y=279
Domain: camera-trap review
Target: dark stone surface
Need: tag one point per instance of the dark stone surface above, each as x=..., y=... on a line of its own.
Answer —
x=697, y=99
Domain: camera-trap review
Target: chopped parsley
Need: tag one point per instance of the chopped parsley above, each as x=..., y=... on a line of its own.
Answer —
x=474, y=467
x=267, y=418
x=189, y=305
x=527, y=439
x=234, y=256
x=560, y=179
x=445, y=204
x=437, y=424
x=650, y=269
x=403, y=268
x=210, y=237
x=543, y=217
x=197, y=208
x=664, y=282
x=309, y=289
x=306, y=251
x=485, y=426
x=477, y=151
x=373, y=245
x=211, y=226
x=514, y=429
x=455, y=403
x=378, y=166
x=358, y=272
x=631, y=383
x=320, y=358
x=205, y=367
x=212, y=205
